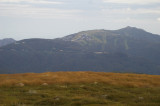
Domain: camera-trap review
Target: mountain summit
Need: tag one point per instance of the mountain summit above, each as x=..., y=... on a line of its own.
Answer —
x=102, y=34
x=128, y=49
x=105, y=40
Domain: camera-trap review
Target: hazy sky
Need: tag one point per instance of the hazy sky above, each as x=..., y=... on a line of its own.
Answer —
x=21, y=19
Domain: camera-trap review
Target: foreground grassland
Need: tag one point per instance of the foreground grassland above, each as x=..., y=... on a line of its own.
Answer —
x=79, y=89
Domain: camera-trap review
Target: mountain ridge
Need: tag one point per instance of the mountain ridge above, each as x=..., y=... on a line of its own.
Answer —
x=125, y=50
x=122, y=31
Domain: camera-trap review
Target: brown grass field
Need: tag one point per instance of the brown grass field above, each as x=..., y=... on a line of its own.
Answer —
x=120, y=79
x=79, y=89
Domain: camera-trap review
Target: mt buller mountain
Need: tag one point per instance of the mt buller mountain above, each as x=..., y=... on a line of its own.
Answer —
x=129, y=50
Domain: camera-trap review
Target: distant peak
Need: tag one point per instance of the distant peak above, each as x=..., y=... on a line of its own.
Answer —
x=129, y=27
x=8, y=39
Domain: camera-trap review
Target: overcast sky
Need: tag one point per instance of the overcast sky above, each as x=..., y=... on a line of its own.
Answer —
x=22, y=19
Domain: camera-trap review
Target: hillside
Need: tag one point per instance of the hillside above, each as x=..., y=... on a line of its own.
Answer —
x=128, y=49
x=79, y=89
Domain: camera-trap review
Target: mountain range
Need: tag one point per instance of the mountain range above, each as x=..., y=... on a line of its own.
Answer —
x=129, y=49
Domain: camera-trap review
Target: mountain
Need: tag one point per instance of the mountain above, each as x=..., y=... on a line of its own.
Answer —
x=129, y=40
x=6, y=41
x=128, y=49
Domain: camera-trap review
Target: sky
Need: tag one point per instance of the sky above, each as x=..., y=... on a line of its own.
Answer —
x=23, y=19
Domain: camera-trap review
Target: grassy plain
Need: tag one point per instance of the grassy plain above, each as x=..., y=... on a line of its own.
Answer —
x=79, y=89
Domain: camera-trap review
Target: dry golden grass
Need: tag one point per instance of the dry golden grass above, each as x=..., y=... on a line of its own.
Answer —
x=120, y=79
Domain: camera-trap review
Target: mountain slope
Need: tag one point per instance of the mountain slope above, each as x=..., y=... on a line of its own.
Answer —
x=126, y=50
x=129, y=40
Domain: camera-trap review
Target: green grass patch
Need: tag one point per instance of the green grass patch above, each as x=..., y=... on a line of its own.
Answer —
x=79, y=95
